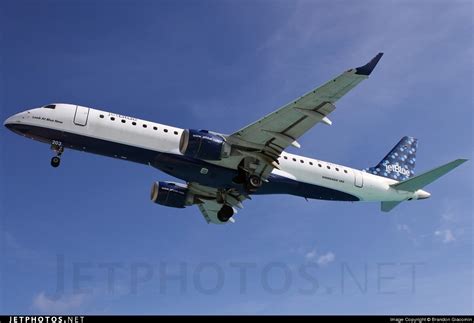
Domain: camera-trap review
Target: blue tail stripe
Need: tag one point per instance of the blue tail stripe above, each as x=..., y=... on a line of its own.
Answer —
x=399, y=164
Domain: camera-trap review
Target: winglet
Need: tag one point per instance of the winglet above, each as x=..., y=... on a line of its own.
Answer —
x=369, y=67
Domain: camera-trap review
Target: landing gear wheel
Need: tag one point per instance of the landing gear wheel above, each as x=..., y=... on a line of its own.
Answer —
x=254, y=182
x=58, y=148
x=55, y=161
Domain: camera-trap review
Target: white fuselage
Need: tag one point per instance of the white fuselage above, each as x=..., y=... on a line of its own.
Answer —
x=127, y=131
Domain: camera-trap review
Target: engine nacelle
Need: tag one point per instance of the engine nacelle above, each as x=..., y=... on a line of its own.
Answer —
x=171, y=194
x=225, y=213
x=203, y=144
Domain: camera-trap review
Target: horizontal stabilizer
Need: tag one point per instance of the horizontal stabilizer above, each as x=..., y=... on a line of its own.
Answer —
x=388, y=206
x=418, y=182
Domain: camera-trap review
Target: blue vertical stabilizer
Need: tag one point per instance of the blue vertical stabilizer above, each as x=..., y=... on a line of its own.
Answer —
x=399, y=164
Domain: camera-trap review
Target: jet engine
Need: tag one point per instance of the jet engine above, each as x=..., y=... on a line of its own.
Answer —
x=225, y=213
x=171, y=194
x=203, y=144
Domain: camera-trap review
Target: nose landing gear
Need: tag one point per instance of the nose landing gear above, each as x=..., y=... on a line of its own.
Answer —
x=58, y=148
x=55, y=161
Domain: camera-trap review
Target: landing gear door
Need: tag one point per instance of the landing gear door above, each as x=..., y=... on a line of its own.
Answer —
x=358, y=178
x=81, y=115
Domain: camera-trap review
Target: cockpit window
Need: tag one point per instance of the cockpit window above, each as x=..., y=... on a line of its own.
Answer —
x=50, y=106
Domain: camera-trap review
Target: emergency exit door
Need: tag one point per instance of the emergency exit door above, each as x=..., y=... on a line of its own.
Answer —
x=81, y=115
x=358, y=178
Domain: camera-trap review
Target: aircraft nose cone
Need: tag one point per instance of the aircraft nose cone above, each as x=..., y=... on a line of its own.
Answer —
x=9, y=122
x=14, y=122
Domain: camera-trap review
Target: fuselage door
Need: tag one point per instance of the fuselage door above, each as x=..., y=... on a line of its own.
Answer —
x=81, y=115
x=358, y=178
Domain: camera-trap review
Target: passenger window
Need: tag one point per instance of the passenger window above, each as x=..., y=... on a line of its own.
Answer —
x=134, y=123
x=285, y=157
x=294, y=159
x=123, y=120
x=337, y=169
x=112, y=118
x=101, y=116
x=155, y=128
x=345, y=171
x=320, y=165
x=329, y=167
x=175, y=132
x=165, y=130
x=302, y=161
x=144, y=125
x=311, y=163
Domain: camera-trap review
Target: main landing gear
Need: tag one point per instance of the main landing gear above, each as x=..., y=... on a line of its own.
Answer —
x=251, y=182
x=254, y=182
x=58, y=148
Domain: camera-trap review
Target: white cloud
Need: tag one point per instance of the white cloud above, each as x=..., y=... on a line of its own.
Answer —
x=403, y=227
x=448, y=216
x=61, y=305
x=321, y=260
x=446, y=235
x=310, y=255
x=326, y=259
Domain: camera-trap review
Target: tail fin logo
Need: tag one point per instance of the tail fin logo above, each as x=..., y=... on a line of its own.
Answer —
x=397, y=169
x=399, y=163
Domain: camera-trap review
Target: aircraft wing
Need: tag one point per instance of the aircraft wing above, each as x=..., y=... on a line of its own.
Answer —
x=273, y=133
x=212, y=200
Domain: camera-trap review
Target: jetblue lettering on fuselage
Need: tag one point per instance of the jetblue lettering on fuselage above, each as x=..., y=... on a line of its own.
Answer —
x=121, y=116
x=397, y=169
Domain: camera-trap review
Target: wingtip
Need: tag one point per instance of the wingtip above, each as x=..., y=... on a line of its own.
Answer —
x=369, y=67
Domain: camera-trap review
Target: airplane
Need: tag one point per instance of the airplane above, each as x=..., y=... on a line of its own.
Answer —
x=221, y=171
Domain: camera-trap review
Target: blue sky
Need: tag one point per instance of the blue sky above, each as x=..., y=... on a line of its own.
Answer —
x=220, y=65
